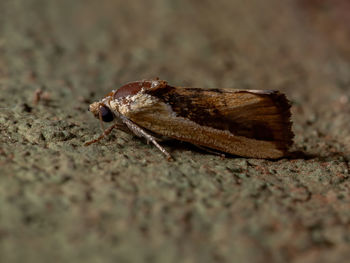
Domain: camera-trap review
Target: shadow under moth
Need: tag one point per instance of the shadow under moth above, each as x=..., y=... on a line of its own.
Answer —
x=248, y=123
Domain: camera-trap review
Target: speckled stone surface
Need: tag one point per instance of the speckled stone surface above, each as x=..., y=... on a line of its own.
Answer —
x=119, y=200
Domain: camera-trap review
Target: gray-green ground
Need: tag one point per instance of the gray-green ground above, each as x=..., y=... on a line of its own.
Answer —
x=120, y=200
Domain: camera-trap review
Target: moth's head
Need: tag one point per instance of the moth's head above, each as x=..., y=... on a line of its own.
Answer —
x=101, y=111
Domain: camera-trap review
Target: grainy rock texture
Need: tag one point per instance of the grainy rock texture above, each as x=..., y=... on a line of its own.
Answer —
x=119, y=200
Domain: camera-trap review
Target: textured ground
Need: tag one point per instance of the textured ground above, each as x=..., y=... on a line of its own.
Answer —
x=120, y=200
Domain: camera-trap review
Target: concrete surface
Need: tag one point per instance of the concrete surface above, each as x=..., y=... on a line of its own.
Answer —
x=120, y=200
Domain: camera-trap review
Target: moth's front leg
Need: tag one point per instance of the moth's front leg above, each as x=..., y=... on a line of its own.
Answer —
x=138, y=131
x=105, y=133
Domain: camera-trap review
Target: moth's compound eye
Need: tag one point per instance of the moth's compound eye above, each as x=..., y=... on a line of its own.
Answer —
x=106, y=114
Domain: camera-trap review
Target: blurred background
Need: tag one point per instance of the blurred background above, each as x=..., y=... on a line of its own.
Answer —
x=77, y=51
x=288, y=45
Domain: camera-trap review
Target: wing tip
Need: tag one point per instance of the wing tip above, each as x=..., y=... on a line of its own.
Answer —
x=286, y=134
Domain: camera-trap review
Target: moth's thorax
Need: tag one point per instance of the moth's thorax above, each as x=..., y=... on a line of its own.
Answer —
x=132, y=97
x=132, y=103
x=135, y=87
x=130, y=89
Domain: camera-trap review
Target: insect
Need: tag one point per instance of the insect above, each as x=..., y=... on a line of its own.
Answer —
x=248, y=123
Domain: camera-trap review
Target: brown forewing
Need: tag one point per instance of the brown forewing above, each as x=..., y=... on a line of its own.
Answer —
x=259, y=120
x=258, y=114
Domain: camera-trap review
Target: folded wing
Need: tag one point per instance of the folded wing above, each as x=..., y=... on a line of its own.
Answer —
x=226, y=120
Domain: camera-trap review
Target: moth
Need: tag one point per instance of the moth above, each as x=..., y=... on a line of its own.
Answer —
x=248, y=123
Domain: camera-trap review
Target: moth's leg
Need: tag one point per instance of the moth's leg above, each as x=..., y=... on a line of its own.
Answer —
x=105, y=133
x=142, y=133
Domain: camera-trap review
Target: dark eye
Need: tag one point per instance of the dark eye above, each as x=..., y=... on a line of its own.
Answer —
x=106, y=114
